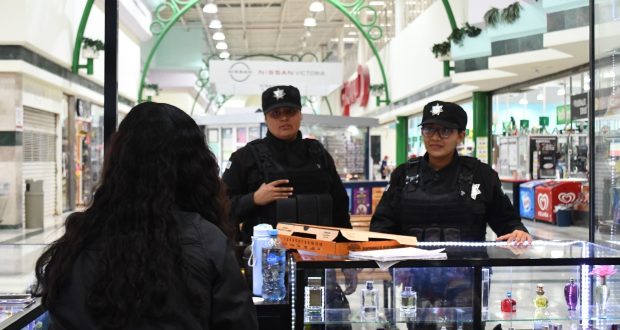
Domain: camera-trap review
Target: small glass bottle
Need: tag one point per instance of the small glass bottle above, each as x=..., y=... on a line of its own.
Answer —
x=541, y=301
x=509, y=305
x=408, y=301
x=370, y=301
x=571, y=294
x=314, y=300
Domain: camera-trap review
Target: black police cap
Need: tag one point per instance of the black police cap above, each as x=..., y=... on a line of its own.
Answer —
x=281, y=96
x=446, y=114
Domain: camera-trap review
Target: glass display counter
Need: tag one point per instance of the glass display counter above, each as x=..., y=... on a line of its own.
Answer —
x=464, y=291
x=17, y=263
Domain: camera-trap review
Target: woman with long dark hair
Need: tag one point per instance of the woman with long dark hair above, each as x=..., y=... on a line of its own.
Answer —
x=153, y=249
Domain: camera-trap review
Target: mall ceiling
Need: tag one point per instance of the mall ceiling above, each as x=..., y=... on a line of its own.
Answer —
x=266, y=27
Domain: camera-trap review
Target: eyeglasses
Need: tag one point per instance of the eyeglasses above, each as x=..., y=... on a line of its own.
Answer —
x=444, y=132
x=278, y=113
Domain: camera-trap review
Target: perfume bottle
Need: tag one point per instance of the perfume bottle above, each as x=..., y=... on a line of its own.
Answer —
x=370, y=301
x=314, y=300
x=571, y=294
x=541, y=301
x=509, y=305
x=408, y=301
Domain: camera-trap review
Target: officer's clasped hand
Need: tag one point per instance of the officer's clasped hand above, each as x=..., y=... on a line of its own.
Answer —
x=516, y=237
x=270, y=192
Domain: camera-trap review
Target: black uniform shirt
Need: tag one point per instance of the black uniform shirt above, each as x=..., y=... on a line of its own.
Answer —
x=500, y=214
x=243, y=177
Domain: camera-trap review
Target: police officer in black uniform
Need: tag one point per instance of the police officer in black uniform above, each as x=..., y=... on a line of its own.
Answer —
x=284, y=177
x=445, y=197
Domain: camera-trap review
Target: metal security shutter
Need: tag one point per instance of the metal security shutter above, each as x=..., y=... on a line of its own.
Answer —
x=40, y=154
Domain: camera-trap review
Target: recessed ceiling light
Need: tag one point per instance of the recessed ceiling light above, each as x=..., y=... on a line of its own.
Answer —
x=316, y=7
x=219, y=36
x=349, y=39
x=210, y=8
x=309, y=22
x=352, y=33
x=377, y=3
x=221, y=45
x=215, y=24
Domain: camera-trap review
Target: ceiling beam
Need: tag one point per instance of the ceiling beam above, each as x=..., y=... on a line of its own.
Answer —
x=280, y=27
x=245, y=36
x=331, y=33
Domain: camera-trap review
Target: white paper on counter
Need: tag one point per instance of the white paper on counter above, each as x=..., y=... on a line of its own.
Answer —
x=398, y=254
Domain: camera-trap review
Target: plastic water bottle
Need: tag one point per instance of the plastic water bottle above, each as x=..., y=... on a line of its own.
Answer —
x=260, y=239
x=274, y=268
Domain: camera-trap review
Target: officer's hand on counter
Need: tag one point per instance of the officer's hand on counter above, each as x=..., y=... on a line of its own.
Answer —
x=270, y=192
x=516, y=237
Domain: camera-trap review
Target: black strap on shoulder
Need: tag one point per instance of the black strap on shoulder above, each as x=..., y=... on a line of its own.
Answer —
x=262, y=156
x=317, y=152
x=412, y=174
x=465, y=179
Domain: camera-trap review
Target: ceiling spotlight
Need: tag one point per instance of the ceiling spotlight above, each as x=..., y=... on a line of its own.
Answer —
x=308, y=33
x=316, y=7
x=221, y=45
x=352, y=33
x=215, y=24
x=224, y=55
x=210, y=8
x=377, y=3
x=309, y=22
x=219, y=36
x=540, y=97
x=303, y=44
x=523, y=100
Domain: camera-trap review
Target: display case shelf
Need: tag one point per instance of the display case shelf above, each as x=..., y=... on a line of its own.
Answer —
x=461, y=286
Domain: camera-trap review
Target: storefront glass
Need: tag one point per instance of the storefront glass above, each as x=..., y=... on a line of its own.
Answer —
x=607, y=122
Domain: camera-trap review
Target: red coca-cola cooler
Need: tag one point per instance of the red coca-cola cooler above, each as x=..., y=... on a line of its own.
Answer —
x=554, y=193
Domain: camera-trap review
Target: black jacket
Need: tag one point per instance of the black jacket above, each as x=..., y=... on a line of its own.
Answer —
x=243, y=177
x=500, y=214
x=212, y=265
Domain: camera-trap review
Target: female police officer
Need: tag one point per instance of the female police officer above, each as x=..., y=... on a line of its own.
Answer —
x=443, y=196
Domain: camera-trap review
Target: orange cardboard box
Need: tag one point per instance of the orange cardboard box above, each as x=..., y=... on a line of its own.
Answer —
x=337, y=241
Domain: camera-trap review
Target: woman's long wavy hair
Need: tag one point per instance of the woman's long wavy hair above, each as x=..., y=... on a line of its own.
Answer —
x=158, y=161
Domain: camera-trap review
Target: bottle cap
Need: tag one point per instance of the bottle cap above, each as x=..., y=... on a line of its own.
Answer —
x=273, y=232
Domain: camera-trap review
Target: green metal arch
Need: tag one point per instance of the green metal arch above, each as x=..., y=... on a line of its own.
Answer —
x=446, y=5
x=351, y=11
x=75, y=64
x=179, y=7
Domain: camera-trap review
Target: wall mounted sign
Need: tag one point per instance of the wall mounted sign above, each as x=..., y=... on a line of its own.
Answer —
x=253, y=77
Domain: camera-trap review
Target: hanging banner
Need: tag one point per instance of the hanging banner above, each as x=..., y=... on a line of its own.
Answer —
x=253, y=77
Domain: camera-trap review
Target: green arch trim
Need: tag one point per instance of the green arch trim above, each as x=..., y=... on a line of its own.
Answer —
x=446, y=5
x=178, y=8
x=75, y=66
x=355, y=9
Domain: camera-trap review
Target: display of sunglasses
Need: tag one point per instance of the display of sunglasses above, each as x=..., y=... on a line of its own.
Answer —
x=278, y=113
x=444, y=132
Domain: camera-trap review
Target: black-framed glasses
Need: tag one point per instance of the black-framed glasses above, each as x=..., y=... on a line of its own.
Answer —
x=280, y=112
x=444, y=132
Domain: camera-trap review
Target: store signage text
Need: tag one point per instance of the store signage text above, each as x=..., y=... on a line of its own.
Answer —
x=253, y=77
x=356, y=90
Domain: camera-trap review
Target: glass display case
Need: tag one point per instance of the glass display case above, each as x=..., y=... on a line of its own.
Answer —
x=470, y=289
x=16, y=278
